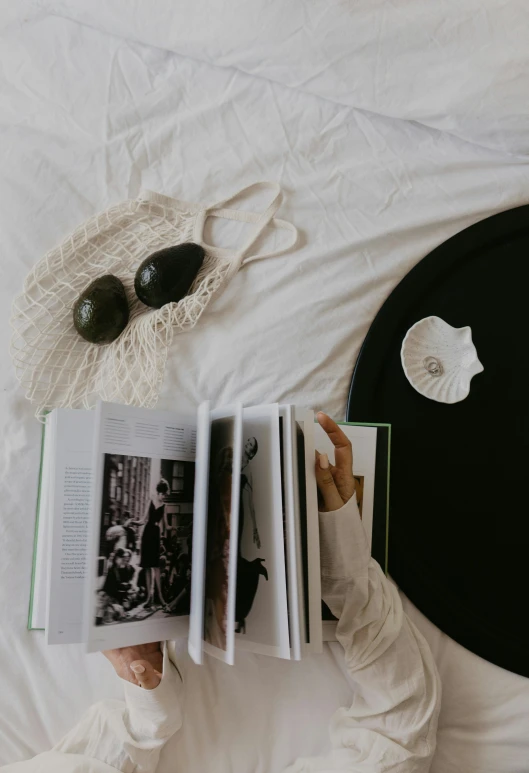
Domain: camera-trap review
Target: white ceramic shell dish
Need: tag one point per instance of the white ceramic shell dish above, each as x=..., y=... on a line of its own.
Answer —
x=440, y=360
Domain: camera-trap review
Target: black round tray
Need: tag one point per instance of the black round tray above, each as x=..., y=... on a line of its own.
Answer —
x=459, y=499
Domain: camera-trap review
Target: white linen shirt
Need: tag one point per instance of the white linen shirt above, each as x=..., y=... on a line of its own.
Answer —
x=390, y=726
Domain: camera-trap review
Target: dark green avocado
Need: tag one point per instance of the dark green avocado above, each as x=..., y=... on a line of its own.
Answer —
x=167, y=275
x=101, y=312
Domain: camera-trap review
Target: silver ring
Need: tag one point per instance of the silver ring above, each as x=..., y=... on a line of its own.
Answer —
x=433, y=366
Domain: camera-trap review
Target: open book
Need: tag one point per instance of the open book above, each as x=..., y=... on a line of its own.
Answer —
x=152, y=525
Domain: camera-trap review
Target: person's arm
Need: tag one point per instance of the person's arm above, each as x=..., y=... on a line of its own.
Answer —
x=391, y=724
x=146, y=514
x=115, y=735
x=111, y=583
x=164, y=526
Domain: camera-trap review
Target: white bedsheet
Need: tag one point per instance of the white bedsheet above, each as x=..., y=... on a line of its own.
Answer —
x=88, y=118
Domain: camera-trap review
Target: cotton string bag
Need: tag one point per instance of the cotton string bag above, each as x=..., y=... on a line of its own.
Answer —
x=58, y=368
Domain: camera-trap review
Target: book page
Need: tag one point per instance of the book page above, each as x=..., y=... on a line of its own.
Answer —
x=364, y=443
x=261, y=605
x=70, y=507
x=309, y=523
x=139, y=587
x=38, y=598
x=293, y=559
x=196, y=620
x=222, y=525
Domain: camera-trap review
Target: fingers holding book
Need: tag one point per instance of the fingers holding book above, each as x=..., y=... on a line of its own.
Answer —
x=336, y=484
x=142, y=665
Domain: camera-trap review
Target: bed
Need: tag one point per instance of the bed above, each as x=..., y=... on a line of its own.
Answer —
x=390, y=127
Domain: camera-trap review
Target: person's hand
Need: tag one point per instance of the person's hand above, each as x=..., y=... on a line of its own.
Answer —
x=336, y=484
x=141, y=665
x=256, y=539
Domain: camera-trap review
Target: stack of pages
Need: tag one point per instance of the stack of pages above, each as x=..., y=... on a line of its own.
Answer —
x=152, y=525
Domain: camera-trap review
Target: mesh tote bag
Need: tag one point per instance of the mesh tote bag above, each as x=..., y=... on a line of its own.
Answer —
x=58, y=368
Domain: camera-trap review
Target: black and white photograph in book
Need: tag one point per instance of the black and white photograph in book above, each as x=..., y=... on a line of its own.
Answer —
x=260, y=590
x=145, y=539
x=249, y=572
x=218, y=544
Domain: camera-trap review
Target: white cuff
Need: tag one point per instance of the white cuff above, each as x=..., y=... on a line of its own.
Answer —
x=344, y=549
x=161, y=705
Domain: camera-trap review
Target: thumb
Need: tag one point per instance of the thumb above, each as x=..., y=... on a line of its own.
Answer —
x=146, y=675
x=326, y=485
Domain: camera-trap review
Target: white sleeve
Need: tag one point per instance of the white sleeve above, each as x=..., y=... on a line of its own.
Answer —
x=113, y=735
x=391, y=724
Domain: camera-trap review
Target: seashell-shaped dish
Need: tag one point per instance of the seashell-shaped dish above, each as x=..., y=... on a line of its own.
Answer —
x=440, y=360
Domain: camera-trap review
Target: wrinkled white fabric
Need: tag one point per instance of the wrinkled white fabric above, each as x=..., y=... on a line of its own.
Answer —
x=390, y=725
x=88, y=119
x=461, y=66
x=115, y=735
